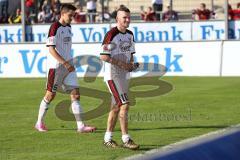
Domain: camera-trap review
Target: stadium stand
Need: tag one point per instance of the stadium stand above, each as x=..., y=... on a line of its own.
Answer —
x=184, y=8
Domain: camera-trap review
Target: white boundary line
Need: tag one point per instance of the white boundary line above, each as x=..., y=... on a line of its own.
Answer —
x=185, y=143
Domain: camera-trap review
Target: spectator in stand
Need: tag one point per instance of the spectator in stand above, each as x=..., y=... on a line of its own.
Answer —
x=106, y=16
x=157, y=8
x=55, y=15
x=170, y=14
x=40, y=4
x=3, y=11
x=234, y=14
x=80, y=15
x=148, y=15
x=47, y=8
x=202, y=13
x=41, y=16
x=16, y=18
x=230, y=12
x=46, y=15
x=30, y=11
x=30, y=6
x=56, y=6
x=92, y=10
x=80, y=2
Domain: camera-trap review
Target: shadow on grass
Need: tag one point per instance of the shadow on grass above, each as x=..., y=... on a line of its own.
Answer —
x=181, y=127
x=103, y=130
x=100, y=130
x=62, y=129
x=148, y=147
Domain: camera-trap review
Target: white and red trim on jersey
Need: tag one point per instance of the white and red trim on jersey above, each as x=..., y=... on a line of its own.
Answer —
x=60, y=37
x=119, y=46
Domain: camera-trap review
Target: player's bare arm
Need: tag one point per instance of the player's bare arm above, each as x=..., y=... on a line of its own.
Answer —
x=119, y=63
x=135, y=65
x=60, y=59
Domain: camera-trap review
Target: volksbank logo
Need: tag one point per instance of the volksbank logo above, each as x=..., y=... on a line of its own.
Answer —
x=150, y=33
x=33, y=60
x=93, y=34
x=172, y=33
x=160, y=35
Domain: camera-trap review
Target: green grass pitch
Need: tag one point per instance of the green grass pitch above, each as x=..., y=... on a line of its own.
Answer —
x=195, y=106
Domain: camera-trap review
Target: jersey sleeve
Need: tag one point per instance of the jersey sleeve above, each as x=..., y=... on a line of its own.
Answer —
x=106, y=45
x=51, y=40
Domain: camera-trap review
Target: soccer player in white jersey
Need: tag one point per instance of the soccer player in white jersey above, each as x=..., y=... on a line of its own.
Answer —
x=118, y=49
x=60, y=42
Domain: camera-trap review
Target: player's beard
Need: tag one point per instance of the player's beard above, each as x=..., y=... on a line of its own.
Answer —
x=127, y=25
x=69, y=21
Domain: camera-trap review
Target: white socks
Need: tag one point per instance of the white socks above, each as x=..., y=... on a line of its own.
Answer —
x=42, y=111
x=108, y=136
x=77, y=109
x=125, y=138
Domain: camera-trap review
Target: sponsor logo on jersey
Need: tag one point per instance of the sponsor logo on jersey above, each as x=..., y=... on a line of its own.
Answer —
x=125, y=46
x=66, y=39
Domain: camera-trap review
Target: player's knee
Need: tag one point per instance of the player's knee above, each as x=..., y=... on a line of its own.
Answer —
x=115, y=109
x=75, y=94
x=123, y=115
x=124, y=108
x=50, y=96
x=75, y=97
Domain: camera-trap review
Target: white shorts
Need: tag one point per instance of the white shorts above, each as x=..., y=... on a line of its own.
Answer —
x=61, y=80
x=119, y=89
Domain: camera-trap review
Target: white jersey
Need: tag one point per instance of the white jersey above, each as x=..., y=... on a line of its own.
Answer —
x=119, y=46
x=61, y=37
x=91, y=5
